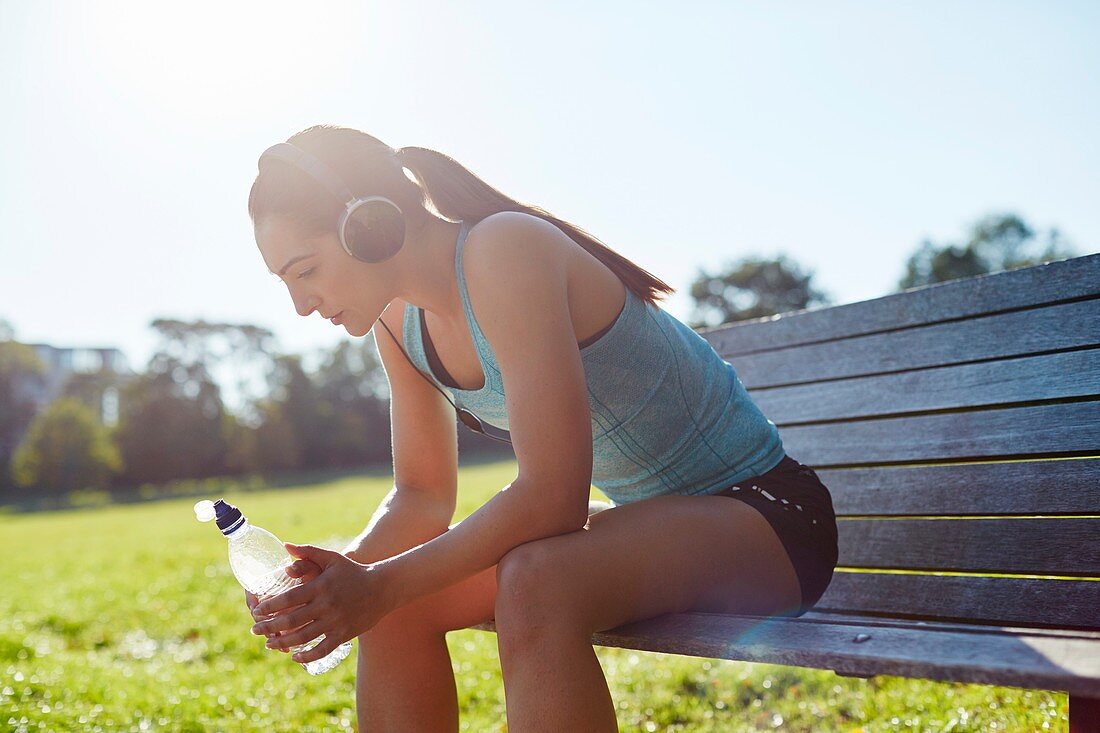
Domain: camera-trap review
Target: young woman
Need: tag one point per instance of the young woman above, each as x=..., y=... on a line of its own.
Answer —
x=533, y=326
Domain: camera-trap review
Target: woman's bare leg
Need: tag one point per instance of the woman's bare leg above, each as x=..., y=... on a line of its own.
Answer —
x=404, y=680
x=663, y=555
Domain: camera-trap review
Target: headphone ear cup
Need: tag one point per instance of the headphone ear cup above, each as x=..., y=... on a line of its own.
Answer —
x=374, y=232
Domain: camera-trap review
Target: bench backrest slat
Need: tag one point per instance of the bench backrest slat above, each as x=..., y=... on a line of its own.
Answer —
x=1052, y=429
x=938, y=417
x=1048, y=377
x=1036, y=546
x=1022, y=487
x=1050, y=283
x=970, y=599
x=1033, y=331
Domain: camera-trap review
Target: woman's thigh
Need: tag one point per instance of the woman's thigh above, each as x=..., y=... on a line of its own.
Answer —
x=663, y=555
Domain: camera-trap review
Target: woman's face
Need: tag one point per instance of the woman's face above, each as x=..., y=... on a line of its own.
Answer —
x=322, y=277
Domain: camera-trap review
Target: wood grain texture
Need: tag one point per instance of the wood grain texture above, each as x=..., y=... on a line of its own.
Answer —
x=1074, y=374
x=1020, y=333
x=817, y=616
x=1045, y=429
x=1047, y=546
x=1070, y=486
x=1027, y=287
x=988, y=600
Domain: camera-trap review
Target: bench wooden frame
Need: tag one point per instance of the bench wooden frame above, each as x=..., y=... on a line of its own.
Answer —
x=957, y=427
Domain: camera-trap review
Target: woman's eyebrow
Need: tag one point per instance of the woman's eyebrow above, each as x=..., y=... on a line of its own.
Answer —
x=291, y=262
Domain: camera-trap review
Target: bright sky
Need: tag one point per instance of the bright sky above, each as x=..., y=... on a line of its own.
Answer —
x=682, y=135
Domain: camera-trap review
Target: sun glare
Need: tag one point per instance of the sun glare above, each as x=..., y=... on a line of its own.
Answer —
x=199, y=59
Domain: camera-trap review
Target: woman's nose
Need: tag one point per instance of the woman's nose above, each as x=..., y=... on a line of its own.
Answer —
x=305, y=305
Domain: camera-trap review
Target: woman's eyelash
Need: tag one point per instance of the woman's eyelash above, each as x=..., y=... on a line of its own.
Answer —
x=305, y=273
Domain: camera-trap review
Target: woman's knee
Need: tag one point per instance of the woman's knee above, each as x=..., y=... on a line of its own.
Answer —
x=533, y=594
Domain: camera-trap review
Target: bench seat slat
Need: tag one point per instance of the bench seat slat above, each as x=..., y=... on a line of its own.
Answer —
x=1070, y=486
x=856, y=620
x=1044, y=429
x=1047, y=546
x=1056, y=327
x=1030, y=379
x=974, y=599
x=1027, y=287
x=1011, y=659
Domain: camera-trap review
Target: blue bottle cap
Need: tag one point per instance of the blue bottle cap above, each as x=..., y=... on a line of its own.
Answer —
x=228, y=517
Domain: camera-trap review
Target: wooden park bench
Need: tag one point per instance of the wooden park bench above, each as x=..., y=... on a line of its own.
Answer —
x=957, y=427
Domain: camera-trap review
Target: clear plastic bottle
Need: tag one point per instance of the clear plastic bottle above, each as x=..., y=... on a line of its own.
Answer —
x=259, y=562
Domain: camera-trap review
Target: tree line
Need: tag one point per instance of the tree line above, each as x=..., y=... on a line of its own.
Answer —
x=173, y=423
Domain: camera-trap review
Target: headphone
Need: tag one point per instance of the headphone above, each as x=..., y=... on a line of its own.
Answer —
x=372, y=230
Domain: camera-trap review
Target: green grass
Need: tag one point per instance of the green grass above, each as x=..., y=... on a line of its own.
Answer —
x=127, y=618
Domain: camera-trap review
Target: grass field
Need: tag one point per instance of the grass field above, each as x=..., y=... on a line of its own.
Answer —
x=127, y=617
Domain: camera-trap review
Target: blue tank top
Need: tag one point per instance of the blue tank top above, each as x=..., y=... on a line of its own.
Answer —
x=669, y=415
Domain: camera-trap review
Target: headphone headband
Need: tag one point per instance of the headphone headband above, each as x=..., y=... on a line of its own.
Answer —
x=295, y=156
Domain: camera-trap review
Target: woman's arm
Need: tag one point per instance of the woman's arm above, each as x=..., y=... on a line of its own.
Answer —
x=405, y=518
x=348, y=598
x=425, y=455
x=517, y=276
x=512, y=517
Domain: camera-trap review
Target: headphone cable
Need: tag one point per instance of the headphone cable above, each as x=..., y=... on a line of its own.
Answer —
x=436, y=387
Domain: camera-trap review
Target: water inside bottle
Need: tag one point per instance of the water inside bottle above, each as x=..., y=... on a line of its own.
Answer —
x=276, y=582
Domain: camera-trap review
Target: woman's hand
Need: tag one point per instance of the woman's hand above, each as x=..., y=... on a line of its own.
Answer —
x=344, y=600
x=307, y=570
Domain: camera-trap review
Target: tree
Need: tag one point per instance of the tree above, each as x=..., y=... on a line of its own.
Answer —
x=172, y=420
x=66, y=449
x=996, y=242
x=275, y=444
x=95, y=389
x=291, y=433
x=351, y=381
x=752, y=288
x=336, y=415
x=167, y=431
x=195, y=350
x=21, y=374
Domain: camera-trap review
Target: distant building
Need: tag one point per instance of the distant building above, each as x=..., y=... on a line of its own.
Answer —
x=61, y=363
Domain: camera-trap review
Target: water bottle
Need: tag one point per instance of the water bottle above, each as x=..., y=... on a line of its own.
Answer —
x=259, y=562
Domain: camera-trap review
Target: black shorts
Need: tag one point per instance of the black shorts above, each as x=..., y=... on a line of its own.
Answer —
x=800, y=510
